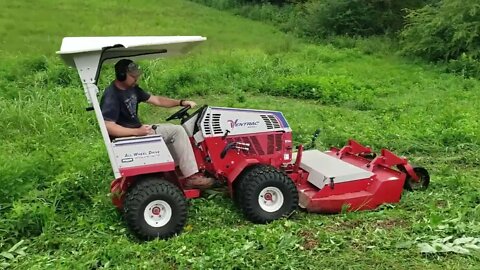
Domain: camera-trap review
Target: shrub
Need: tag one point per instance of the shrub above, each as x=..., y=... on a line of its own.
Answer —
x=444, y=31
x=319, y=19
x=465, y=66
x=354, y=17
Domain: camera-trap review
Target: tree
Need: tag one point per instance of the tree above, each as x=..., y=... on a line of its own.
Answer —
x=444, y=31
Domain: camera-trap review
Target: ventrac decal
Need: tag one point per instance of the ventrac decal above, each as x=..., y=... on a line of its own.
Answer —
x=249, y=124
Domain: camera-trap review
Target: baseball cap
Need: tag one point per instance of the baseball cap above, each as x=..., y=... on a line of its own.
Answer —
x=134, y=69
x=128, y=66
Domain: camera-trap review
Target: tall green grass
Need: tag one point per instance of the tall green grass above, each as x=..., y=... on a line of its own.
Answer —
x=37, y=27
x=55, y=174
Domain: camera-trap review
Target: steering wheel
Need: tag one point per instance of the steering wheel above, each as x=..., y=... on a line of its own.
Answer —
x=179, y=114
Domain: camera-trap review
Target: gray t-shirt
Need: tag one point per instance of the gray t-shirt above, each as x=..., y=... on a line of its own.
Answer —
x=121, y=106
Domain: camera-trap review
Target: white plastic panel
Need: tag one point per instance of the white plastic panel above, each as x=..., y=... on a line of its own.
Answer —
x=322, y=167
x=217, y=121
x=141, y=151
x=138, y=47
x=189, y=125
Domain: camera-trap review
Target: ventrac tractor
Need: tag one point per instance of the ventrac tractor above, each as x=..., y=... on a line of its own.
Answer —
x=250, y=151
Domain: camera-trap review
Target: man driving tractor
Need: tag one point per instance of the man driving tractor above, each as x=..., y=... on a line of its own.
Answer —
x=119, y=105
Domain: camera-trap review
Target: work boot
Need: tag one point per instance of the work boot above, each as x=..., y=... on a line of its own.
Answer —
x=198, y=181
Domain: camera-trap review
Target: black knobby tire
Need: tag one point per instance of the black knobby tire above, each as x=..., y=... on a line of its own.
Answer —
x=411, y=185
x=237, y=185
x=147, y=201
x=237, y=194
x=266, y=194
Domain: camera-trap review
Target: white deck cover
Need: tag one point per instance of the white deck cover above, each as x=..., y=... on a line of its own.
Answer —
x=134, y=47
x=322, y=167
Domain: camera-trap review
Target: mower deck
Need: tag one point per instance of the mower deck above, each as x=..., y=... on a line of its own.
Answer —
x=346, y=181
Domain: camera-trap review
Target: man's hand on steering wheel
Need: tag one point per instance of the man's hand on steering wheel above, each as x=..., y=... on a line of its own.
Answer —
x=190, y=103
x=186, y=104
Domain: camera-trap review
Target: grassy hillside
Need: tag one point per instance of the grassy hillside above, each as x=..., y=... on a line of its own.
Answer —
x=37, y=27
x=54, y=171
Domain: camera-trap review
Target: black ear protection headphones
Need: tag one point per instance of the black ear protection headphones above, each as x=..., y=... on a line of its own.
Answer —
x=121, y=68
x=121, y=76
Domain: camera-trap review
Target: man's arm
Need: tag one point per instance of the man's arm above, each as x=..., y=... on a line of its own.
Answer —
x=115, y=130
x=168, y=102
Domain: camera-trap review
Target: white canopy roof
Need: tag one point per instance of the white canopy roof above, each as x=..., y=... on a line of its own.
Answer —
x=135, y=47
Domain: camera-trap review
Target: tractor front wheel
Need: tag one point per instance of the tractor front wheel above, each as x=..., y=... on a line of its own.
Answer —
x=155, y=208
x=266, y=194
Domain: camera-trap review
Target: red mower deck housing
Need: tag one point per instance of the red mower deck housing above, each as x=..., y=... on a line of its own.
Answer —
x=346, y=179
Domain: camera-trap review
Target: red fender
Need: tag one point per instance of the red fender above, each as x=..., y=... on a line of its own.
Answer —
x=239, y=169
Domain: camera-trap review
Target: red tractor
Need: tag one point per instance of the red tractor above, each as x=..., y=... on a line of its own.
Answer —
x=250, y=151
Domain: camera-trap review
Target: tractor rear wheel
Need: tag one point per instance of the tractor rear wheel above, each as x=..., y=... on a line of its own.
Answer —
x=266, y=194
x=155, y=208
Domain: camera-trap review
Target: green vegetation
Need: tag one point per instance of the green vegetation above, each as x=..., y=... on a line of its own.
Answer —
x=55, y=207
x=449, y=31
x=320, y=19
x=434, y=30
x=446, y=31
